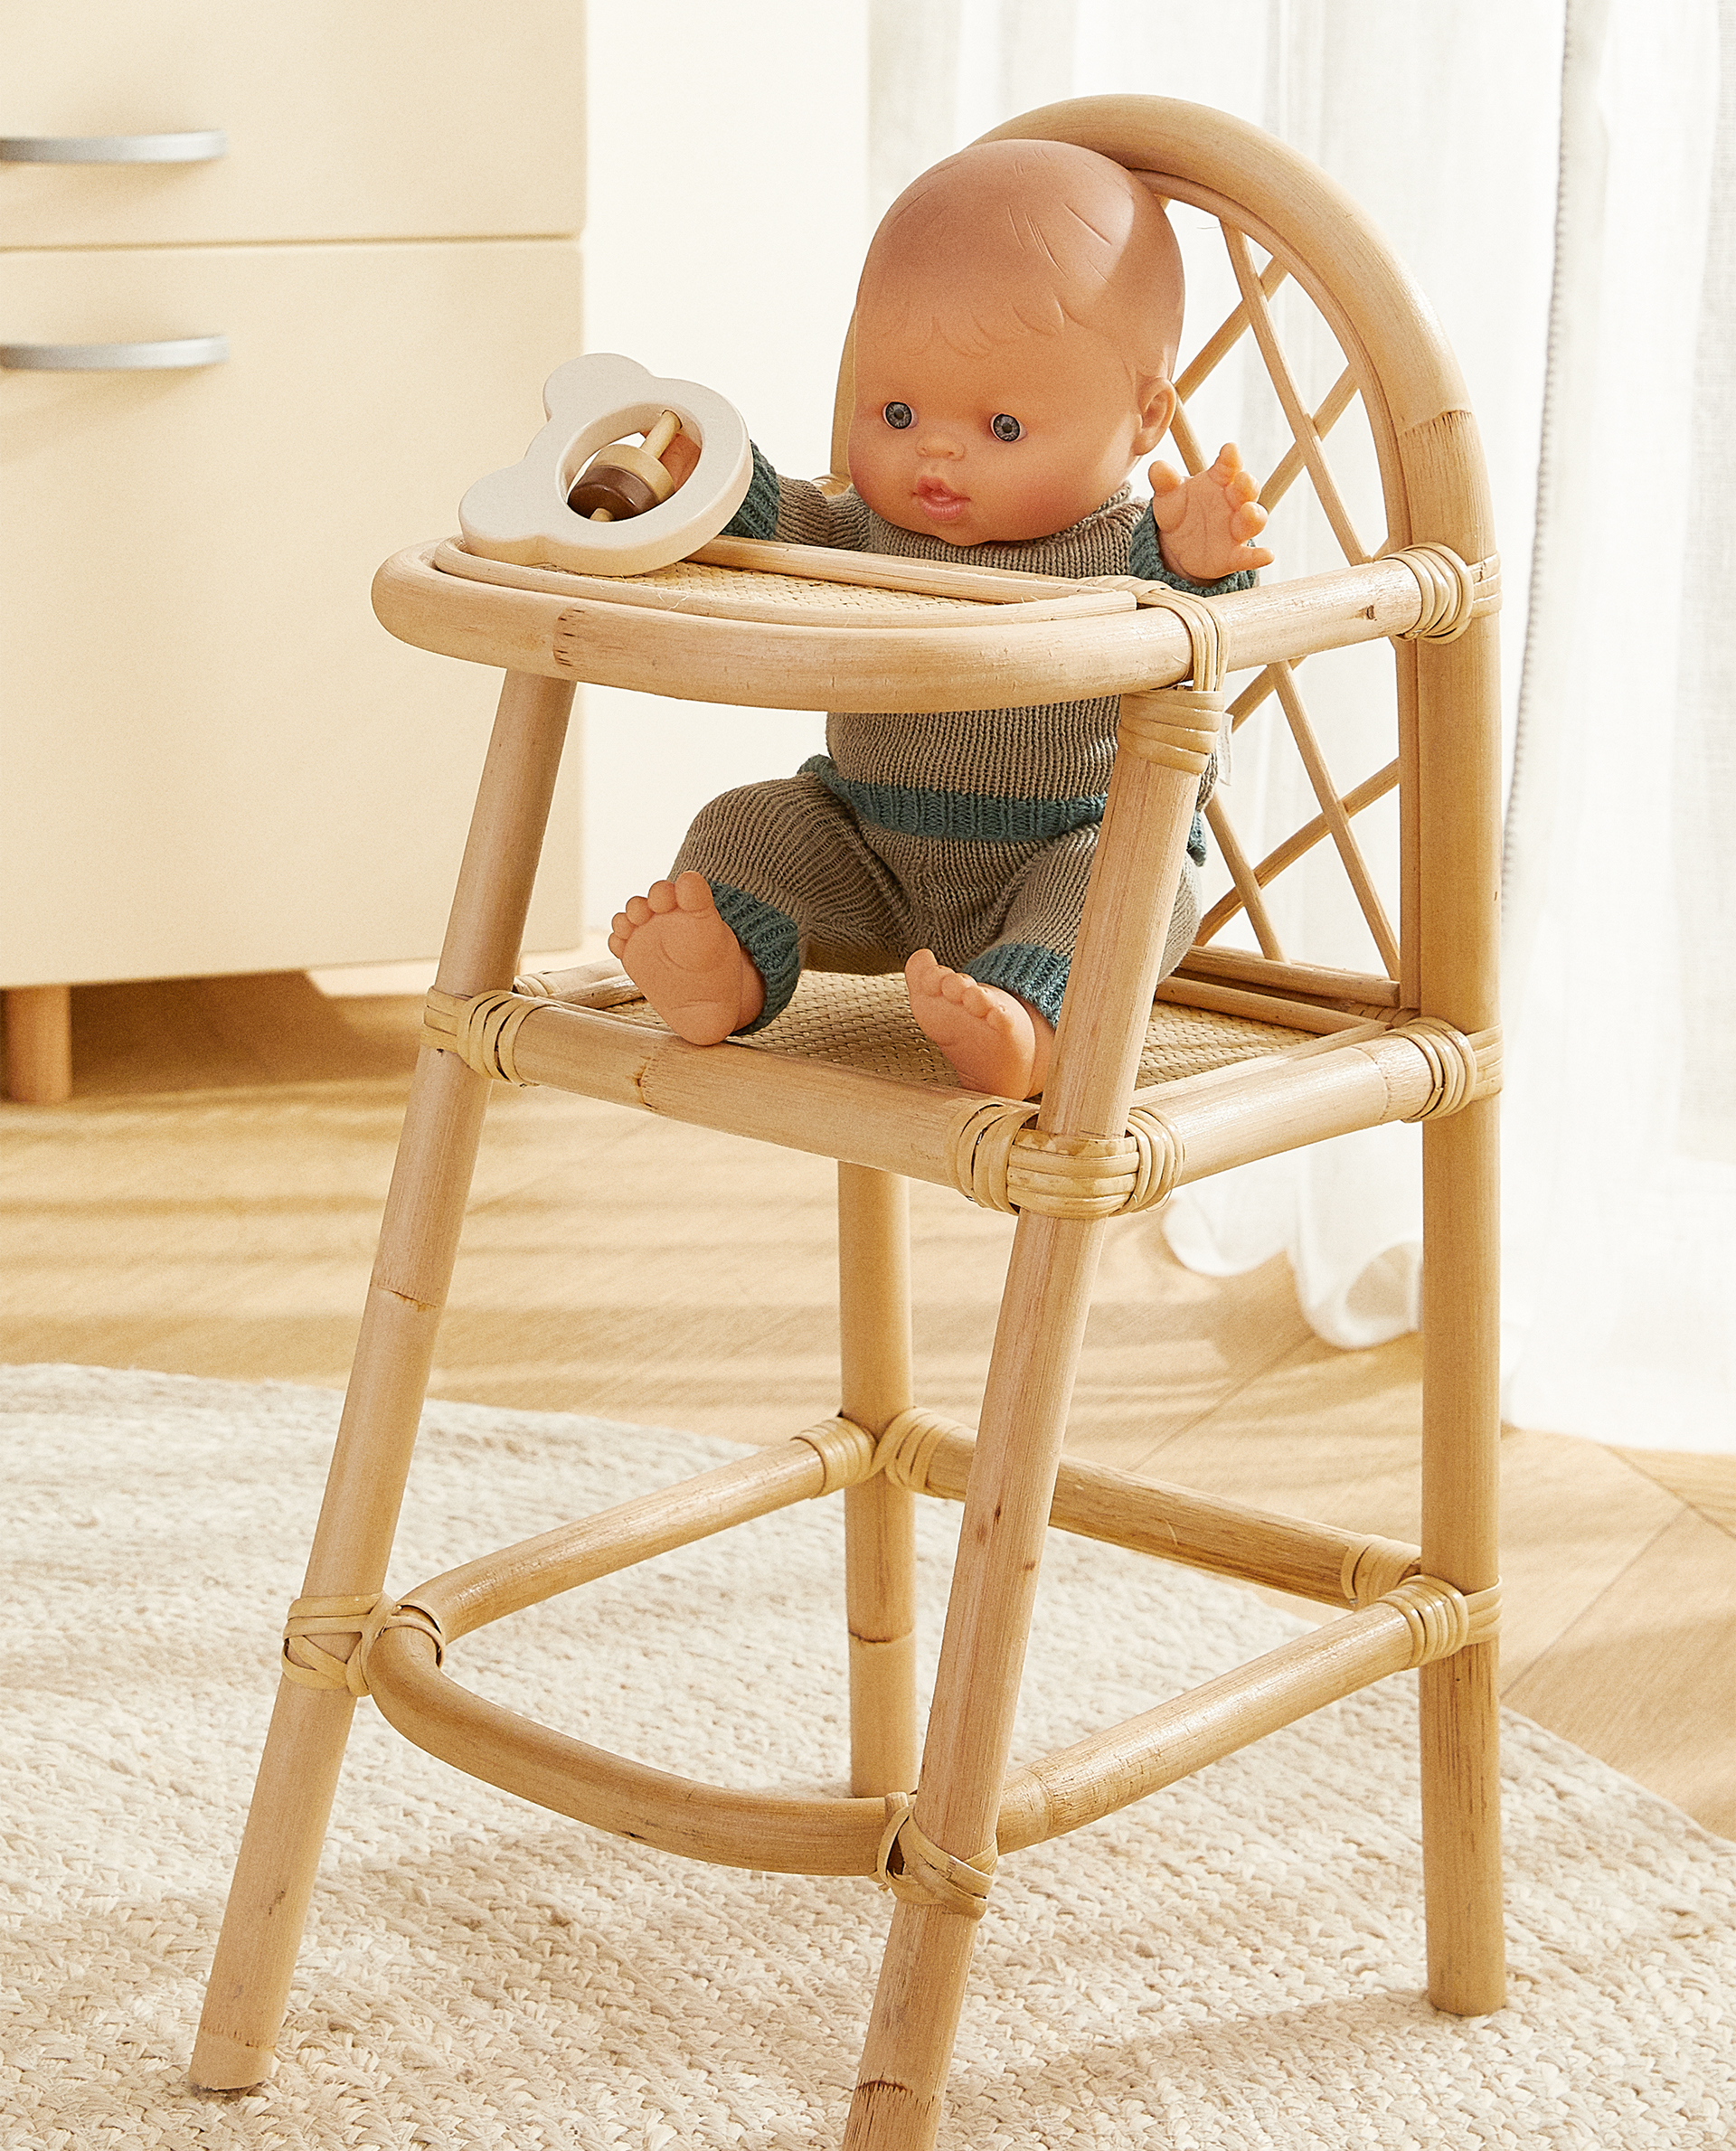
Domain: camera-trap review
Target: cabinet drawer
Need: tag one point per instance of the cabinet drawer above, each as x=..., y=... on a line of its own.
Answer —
x=212, y=756
x=399, y=118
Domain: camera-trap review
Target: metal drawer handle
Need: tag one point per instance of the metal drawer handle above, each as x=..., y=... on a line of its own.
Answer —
x=114, y=358
x=195, y=148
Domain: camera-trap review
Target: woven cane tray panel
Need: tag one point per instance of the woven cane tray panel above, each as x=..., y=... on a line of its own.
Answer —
x=752, y=594
x=742, y=587
x=836, y=596
x=696, y=586
x=864, y=1023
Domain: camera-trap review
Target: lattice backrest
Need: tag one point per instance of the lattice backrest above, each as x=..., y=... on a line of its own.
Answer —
x=1355, y=846
x=1282, y=386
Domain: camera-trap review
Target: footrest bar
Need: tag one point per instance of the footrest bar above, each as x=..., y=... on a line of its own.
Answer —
x=1415, y=1620
x=677, y=1815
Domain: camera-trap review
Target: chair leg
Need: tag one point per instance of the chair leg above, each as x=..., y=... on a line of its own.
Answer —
x=304, y=1751
x=1461, y=1467
x=879, y=1518
x=901, y=2085
x=298, y=1771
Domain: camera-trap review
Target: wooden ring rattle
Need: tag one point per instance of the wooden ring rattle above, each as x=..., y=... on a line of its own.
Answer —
x=543, y=512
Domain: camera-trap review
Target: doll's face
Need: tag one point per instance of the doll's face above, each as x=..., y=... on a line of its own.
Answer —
x=1016, y=441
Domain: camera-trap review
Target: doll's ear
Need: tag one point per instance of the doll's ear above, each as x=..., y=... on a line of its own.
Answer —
x=1158, y=401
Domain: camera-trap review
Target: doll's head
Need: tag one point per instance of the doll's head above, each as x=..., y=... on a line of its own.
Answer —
x=1016, y=328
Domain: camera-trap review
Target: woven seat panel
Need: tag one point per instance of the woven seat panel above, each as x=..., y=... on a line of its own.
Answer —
x=864, y=1022
x=1184, y=1041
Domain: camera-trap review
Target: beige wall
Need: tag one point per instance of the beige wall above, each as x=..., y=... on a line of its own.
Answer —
x=723, y=245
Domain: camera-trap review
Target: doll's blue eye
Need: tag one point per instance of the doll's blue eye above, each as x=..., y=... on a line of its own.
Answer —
x=1004, y=426
x=900, y=415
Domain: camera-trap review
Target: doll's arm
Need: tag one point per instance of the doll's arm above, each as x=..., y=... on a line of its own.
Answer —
x=795, y=512
x=1206, y=523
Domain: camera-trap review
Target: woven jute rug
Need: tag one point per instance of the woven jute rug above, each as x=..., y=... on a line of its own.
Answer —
x=1236, y=1962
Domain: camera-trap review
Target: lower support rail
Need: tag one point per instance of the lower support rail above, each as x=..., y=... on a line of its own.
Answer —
x=1412, y=1622
x=1420, y=1622
x=932, y=1455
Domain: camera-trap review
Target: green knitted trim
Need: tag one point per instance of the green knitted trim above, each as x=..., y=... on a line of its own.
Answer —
x=772, y=943
x=1036, y=975
x=757, y=517
x=1145, y=560
x=973, y=817
x=1197, y=840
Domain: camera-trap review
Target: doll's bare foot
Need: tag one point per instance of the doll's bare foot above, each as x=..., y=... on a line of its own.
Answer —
x=685, y=961
x=993, y=1041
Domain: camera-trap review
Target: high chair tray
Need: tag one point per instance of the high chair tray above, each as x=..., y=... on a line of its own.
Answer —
x=800, y=628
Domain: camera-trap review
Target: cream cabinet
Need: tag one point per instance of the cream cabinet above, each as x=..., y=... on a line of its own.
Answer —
x=211, y=758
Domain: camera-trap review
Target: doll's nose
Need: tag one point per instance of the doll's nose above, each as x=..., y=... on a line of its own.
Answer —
x=936, y=439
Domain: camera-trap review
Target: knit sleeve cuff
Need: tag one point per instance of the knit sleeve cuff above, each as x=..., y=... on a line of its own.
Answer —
x=757, y=517
x=1145, y=560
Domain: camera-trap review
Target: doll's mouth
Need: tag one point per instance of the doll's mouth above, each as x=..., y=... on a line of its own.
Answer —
x=939, y=500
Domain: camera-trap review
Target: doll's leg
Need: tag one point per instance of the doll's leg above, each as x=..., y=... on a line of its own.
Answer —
x=763, y=872
x=995, y=1018
x=1033, y=951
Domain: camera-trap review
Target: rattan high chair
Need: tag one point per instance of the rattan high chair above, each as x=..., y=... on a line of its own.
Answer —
x=1243, y=1053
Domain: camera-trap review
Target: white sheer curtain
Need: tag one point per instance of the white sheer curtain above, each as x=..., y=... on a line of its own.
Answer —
x=1620, y=1115
x=1620, y=1119
x=795, y=125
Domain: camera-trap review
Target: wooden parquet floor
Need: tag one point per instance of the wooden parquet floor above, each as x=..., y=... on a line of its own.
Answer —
x=208, y=1204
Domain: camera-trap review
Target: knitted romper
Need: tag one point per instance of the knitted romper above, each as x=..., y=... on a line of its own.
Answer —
x=969, y=832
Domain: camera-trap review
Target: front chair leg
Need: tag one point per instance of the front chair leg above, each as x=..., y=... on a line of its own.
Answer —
x=304, y=1751
x=412, y=1272
x=900, y=2086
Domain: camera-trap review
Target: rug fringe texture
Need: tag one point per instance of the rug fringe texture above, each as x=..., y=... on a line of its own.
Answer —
x=1237, y=1962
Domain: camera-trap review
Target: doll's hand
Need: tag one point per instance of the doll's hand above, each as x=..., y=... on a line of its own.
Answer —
x=1204, y=523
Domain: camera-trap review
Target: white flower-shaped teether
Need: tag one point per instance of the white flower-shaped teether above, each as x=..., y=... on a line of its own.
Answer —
x=522, y=513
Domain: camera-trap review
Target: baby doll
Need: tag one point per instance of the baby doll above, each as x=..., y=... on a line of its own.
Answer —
x=1016, y=328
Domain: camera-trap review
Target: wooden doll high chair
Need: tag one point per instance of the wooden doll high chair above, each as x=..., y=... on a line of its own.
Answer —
x=1243, y=1053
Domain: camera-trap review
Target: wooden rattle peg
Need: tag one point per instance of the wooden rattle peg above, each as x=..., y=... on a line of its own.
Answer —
x=625, y=479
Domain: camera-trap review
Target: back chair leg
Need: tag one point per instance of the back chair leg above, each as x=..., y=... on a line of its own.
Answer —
x=879, y=1518
x=900, y=2086
x=1461, y=1468
x=304, y=1752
